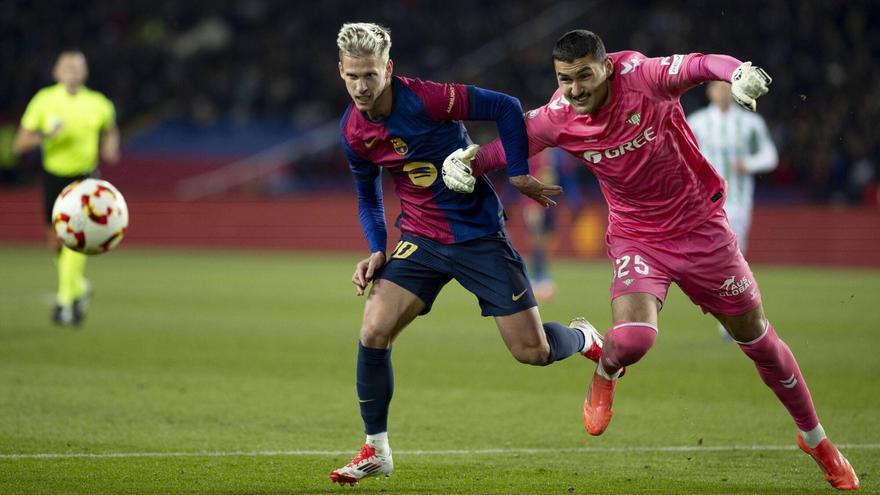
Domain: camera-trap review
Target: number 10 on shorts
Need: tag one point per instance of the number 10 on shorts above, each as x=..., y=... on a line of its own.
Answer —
x=623, y=266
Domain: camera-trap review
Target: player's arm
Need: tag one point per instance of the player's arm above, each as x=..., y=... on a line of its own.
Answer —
x=461, y=102
x=371, y=212
x=676, y=74
x=507, y=113
x=762, y=156
x=30, y=133
x=109, y=134
x=110, y=145
x=26, y=140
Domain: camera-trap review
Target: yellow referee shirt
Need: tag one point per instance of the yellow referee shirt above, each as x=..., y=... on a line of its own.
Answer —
x=83, y=116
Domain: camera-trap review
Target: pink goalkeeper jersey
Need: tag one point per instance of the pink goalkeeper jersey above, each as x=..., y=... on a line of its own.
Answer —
x=639, y=146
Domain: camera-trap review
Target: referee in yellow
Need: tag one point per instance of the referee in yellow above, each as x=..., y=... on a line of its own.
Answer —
x=71, y=123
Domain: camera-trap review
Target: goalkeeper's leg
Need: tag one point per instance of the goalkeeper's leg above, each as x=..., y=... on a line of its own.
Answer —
x=779, y=370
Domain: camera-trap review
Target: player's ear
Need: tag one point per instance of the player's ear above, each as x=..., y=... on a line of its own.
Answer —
x=389, y=69
x=341, y=71
x=609, y=65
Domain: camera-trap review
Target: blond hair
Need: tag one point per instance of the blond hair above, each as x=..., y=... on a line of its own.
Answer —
x=364, y=39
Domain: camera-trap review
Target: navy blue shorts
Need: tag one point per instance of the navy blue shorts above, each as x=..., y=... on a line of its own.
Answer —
x=488, y=267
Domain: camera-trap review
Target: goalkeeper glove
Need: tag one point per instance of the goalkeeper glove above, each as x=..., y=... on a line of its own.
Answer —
x=457, y=173
x=747, y=84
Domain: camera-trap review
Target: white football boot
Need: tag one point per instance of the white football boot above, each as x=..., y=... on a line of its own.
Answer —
x=367, y=463
x=593, y=348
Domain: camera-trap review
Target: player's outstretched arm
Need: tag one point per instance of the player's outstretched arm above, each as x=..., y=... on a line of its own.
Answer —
x=457, y=172
x=458, y=175
x=535, y=189
x=748, y=83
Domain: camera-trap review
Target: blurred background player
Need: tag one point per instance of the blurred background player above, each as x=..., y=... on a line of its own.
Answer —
x=408, y=127
x=737, y=143
x=70, y=123
x=551, y=166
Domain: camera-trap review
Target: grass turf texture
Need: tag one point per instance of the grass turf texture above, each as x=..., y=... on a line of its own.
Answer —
x=218, y=352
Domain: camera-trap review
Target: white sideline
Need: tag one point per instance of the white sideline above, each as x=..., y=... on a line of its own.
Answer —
x=300, y=453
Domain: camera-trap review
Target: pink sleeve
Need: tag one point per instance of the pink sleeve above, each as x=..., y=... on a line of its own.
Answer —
x=442, y=101
x=670, y=77
x=541, y=132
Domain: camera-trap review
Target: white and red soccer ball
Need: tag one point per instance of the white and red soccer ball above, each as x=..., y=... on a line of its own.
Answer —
x=90, y=216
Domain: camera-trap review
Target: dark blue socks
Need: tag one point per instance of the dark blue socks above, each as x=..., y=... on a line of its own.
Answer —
x=539, y=265
x=564, y=341
x=375, y=386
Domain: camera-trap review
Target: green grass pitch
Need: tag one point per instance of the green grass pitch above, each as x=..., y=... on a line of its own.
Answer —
x=233, y=373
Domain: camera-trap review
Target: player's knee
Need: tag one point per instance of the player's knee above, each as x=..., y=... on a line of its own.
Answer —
x=535, y=355
x=375, y=335
x=746, y=327
x=626, y=345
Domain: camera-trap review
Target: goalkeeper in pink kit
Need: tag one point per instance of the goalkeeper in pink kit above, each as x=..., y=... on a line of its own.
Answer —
x=619, y=113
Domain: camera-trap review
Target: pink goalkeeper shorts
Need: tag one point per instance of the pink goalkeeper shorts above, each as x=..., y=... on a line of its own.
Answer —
x=705, y=263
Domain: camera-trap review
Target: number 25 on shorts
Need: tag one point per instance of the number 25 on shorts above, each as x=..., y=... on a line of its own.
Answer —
x=623, y=265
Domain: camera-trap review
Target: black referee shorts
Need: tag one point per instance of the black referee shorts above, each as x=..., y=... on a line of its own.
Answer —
x=52, y=186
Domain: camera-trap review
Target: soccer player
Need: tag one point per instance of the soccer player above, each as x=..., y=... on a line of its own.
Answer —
x=550, y=166
x=620, y=114
x=408, y=127
x=736, y=142
x=71, y=123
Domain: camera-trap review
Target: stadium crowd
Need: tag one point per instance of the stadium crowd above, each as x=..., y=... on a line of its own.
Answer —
x=274, y=60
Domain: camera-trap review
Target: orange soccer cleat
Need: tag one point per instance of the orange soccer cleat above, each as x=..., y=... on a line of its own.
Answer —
x=833, y=464
x=597, y=405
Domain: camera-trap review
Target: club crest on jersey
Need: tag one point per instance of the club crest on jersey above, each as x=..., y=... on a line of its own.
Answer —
x=634, y=118
x=400, y=146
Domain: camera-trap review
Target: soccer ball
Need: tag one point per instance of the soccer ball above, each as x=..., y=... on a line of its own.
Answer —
x=90, y=216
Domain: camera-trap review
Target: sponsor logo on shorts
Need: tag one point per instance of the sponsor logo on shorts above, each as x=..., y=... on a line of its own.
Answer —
x=731, y=287
x=516, y=297
x=628, y=282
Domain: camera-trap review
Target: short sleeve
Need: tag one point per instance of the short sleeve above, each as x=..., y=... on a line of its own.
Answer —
x=34, y=114
x=110, y=115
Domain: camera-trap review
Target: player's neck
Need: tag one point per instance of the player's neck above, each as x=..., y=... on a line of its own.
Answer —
x=607, y=101
x=382, y=108
x=72, y=89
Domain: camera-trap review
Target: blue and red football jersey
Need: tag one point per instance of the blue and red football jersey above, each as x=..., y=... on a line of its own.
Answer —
x=423, y=128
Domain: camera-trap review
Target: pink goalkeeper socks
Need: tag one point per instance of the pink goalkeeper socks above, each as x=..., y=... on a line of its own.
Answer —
x=779, y=370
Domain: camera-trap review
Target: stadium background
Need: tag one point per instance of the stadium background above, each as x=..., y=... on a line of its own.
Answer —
x=218, y=355
x=228, y=109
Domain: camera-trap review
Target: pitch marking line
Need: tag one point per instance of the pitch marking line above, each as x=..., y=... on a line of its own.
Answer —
x=300, y=453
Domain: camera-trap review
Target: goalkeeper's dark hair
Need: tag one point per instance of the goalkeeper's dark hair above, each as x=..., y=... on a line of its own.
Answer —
x=579, y=43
